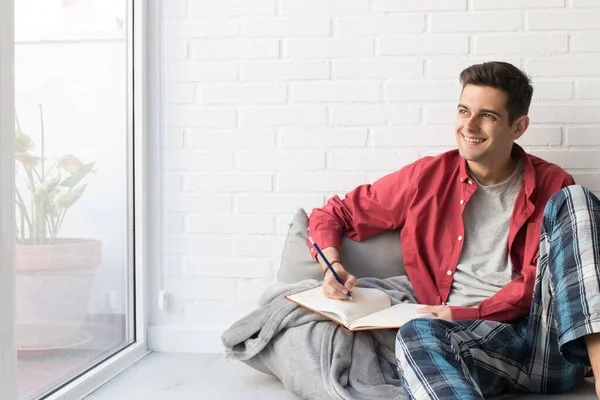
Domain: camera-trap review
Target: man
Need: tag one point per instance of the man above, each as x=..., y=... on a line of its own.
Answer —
x=471, y=222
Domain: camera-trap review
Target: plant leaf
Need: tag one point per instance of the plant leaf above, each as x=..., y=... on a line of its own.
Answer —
x=23, y=142
x=77, y=176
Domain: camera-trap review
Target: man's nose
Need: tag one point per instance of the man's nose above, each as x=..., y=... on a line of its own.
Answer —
x=472, y=124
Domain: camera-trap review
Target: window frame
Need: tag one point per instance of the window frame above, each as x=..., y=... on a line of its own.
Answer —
x=139, y=12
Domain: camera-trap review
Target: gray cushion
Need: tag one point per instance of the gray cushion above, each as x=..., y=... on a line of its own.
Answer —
x=379, y=256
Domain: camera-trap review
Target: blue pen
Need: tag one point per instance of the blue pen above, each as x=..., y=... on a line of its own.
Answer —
x=328, y=265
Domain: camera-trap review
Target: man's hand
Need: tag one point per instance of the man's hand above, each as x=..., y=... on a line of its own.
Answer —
x=440, y=312
x=331, y=287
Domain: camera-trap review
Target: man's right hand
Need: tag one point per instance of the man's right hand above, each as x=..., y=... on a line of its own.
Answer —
x=331, y=287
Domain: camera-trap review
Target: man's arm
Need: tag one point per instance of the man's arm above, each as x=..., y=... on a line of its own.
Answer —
x=365, y=211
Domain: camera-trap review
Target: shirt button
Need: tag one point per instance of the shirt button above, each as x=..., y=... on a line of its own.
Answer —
x=462, y=202
x=460, y=238
x=449, y=272
x=470, y=183
x=462, y=179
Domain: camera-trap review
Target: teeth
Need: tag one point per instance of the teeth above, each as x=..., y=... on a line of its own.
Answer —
x=473, y=140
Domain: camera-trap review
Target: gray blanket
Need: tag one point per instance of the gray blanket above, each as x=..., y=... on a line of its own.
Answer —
x=314, y=357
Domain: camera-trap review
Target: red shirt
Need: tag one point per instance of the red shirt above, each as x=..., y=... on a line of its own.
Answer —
x=426, y=200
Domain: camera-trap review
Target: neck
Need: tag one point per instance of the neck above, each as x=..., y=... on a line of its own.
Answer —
x=493, y=175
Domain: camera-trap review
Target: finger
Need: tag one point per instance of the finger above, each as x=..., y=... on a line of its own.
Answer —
x=336, y=288
x=426, y=310
x=350, y=282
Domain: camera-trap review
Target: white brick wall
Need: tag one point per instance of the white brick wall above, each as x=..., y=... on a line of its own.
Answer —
x=272, y=105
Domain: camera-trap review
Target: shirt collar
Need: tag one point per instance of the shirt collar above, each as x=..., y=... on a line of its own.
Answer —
x=528, y=170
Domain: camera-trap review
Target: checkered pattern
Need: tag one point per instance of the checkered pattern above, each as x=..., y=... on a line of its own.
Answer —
x=543, y=353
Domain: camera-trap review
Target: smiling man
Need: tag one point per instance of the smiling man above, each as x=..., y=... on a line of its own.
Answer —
x=486, y=229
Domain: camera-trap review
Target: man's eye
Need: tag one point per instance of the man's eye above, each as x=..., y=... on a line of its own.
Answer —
x=462, y=112
x=489, y=116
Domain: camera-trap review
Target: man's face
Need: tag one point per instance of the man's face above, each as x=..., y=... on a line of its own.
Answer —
x=482, y=130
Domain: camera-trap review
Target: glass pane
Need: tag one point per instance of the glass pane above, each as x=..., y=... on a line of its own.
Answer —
x=72, y=177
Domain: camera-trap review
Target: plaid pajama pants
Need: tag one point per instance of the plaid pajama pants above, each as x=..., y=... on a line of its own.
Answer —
x=543, y=353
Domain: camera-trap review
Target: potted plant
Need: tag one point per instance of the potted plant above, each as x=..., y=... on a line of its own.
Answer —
x=54, y=274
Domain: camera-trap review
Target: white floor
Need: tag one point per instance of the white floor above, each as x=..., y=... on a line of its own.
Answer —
x=203, y=376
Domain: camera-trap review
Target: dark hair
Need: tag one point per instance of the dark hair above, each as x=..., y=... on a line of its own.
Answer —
x=505, y=77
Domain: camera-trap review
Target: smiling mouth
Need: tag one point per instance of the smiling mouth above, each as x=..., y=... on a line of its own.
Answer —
x=472, y=140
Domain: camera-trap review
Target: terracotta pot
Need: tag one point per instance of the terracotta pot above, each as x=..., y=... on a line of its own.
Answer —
x=54, y=283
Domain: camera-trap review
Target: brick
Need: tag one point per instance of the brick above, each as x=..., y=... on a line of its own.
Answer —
x=384, y=25
x=235, y=49
x=590, y=181
x=378, y=68
x=258, y=246
x=233, y=182
x=552, y=90
x=221, y=313
x=451, y=68
x=282, y=116
x=228, y=8
x=571, y=159
x=189, y=71
x=251, y=290
x=187, y=160
x=275, y=203
x=193, y=116
x=563, y=19
x=583, y=136
x=176, y=49
x=200, y=27
x=417, y=136
x=476, y=22
x=201, y=245
x=565, y=113
x=369, y=115
x=324, y=7
x=546, y=43
x=228, y=224
x=174, y=138
x=287, y=27
x=207, y=289
x=197, y=203
x=443, y=114
x=173, y=182
x=422, y=91
x=329, y=48
x=588, y=89
x=174, y=9
x=281, y=71
x=551, y=66
x=280, y=161
x=173, y=224
x=586, y=42
x=323, y=138
x=371, y=161
x=226, y=268
x=419, y=5
x=424, y=45
x=240, y=94
x=283, y=222
x=541, y=136
x=180, y=93
x=585, y=3
x=515, y=4
x=338, y=92
x=240, y=139
x=321, y=182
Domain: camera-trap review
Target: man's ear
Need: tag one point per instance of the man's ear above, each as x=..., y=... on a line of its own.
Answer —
x=520, y=126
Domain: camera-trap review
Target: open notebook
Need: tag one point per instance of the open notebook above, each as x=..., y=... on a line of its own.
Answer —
x=371, y=309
